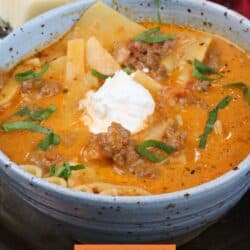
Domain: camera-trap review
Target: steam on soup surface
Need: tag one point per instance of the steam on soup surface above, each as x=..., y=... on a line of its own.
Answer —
x=121, y=108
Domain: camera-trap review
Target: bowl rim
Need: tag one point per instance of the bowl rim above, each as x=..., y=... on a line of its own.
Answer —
x=243, y=169
x=24, y=178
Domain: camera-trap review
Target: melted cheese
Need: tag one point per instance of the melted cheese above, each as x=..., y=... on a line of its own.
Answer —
x=121, y=100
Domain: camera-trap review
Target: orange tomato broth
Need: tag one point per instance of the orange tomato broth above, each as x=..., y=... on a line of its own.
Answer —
x=222, y=153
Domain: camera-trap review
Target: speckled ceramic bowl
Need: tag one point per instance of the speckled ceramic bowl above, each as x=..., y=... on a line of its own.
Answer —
x=43, y=212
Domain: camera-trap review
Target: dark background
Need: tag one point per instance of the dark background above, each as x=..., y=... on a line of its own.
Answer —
x=232, y=232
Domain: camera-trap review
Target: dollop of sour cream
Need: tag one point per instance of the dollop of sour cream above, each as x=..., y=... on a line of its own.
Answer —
x=120, y=99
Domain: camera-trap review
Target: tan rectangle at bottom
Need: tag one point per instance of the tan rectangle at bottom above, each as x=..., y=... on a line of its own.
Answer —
x=125, y=247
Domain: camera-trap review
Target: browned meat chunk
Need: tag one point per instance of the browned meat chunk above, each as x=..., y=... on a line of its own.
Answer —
x=116, y=144
x=143, y=169
x=201, y=86
x=41, y=88
x=174, y=137
x=193, y=100
x=140, y=55
x=169, y=96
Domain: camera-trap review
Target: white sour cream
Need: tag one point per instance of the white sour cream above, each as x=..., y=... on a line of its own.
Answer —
x=120, y=99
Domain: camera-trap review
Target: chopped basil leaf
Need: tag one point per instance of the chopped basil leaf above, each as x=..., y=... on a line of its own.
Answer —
x=52, y=170
x=142, y=149
x=38, y=115
x=149, y=36
x=212, y=117
x=43, y=114
x=147, y=33
x=201, y=70
x=223, y=103
x=23, y=112
x=77, y=167
x=158, y=38
x=245, y=88
x=200, y=76
x=31, y=124
x=99, y=75
x=51, y=139
x=128, y=70
x=24, y=125
x=31, y=74
x=158, y=4
x=26, y=75
x=60, y=171
x=65, y=170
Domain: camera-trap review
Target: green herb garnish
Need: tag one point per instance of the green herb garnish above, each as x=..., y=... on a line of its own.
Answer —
x=201, y=70
x=51, y=139
x=128, y=70
x=52, y=170
x=99, y=75
x=65, y=170
x=24, y=125
x=23, y=112
x=243, y=86
x=37, y=115
x=31, y=124
x=212, y=117
x=158, y=4
x=43, y=114
x=150, y=36
x=142, y=149
x=31, y=74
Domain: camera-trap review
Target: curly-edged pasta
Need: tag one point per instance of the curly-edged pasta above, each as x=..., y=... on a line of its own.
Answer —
x=82, y=176
x=32, y=169
x=111, y=189
x=56, y=180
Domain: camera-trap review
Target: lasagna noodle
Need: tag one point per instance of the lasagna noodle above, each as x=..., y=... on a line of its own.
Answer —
x=111, y=189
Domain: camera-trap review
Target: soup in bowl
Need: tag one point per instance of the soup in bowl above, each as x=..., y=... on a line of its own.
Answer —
x=119, y=108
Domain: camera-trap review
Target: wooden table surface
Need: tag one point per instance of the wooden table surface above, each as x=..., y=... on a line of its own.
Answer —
x=231, y=233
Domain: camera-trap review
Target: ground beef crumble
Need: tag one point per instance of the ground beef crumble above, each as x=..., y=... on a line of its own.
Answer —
x=41, y=88
x=117, y=145
x=174, y=136
x=141, y=56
